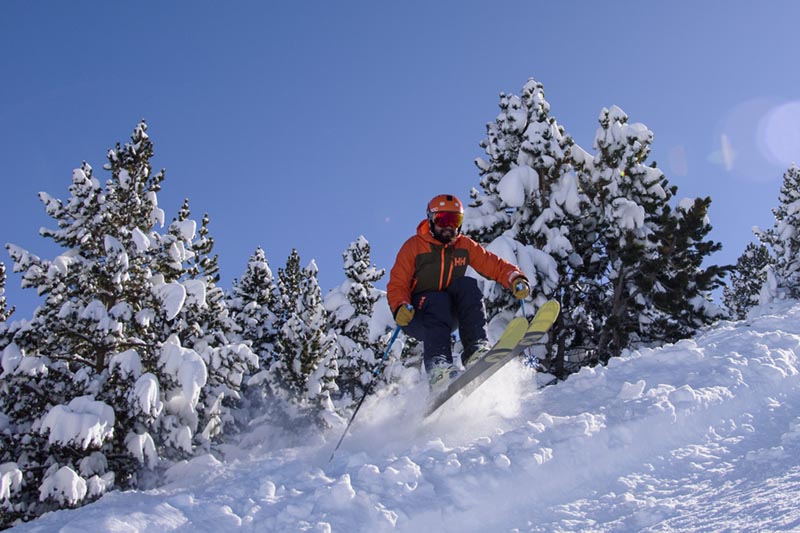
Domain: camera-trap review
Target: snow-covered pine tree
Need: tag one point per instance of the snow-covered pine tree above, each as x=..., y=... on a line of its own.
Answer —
x=5, y=312
x=746, y=280
x=97, y=385
x=205, y=324
x=531, y=210
x=253, y=301
x=351, y=308
x=783, y=239
x=679, y=285
x=204, y=265
x=303, y=372
x=596, y=233
x=629, y=198
x=652, y=285
x=72, y=338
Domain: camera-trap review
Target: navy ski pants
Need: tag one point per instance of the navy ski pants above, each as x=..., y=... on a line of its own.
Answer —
x=438, y=313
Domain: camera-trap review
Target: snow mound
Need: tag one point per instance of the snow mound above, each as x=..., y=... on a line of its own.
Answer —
x=699, y=435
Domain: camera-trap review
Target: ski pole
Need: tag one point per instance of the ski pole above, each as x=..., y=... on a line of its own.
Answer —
x=366, y=391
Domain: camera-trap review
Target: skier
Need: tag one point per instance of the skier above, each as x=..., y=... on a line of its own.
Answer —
x=431, y=296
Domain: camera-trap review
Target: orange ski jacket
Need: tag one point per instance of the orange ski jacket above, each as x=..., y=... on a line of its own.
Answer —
x=425, y=264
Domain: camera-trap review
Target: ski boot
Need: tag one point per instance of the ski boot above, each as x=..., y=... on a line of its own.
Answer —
x=440, y=376
x=474, y=353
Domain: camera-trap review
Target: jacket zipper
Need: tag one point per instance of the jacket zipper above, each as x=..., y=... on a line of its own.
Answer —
x=450, y=273
x=444, y=283
x=441, y=273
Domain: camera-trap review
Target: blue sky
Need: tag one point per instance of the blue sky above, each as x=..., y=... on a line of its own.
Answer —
x=306, y=124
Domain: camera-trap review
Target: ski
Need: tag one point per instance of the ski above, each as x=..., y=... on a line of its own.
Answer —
x=518, y=336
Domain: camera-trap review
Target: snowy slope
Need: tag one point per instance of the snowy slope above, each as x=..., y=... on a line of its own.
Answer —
x=703, y=435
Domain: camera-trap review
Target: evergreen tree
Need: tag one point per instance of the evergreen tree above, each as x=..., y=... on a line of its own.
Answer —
x=107, y=342
x=679, y=285
x=532, y=212
x=304, y=370
x=74, y=335
x=253, y=302
x=205, y=324
x=204, y=265
x=351, y=307
x=784, y=241
x=5, y=313
x=653, y=286
x=530, y=201
x=630, y=198
x=597, y=233
x=746, y=280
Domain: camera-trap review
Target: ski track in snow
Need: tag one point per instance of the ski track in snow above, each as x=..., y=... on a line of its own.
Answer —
x=702, y=435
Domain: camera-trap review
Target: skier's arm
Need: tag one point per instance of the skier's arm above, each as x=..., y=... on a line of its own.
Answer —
x=401, y=278
x=492, y=266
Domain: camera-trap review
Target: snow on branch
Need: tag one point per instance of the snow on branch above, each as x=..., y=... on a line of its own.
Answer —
x=84, y=422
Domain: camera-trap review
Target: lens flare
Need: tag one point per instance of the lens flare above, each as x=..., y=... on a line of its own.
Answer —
x=779, y=135
x=740, y=145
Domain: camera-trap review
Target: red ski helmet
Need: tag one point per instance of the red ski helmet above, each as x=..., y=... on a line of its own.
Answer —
x=445, y=210
x=445, y=202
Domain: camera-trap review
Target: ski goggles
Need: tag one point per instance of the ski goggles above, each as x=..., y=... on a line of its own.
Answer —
x=448, y=219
